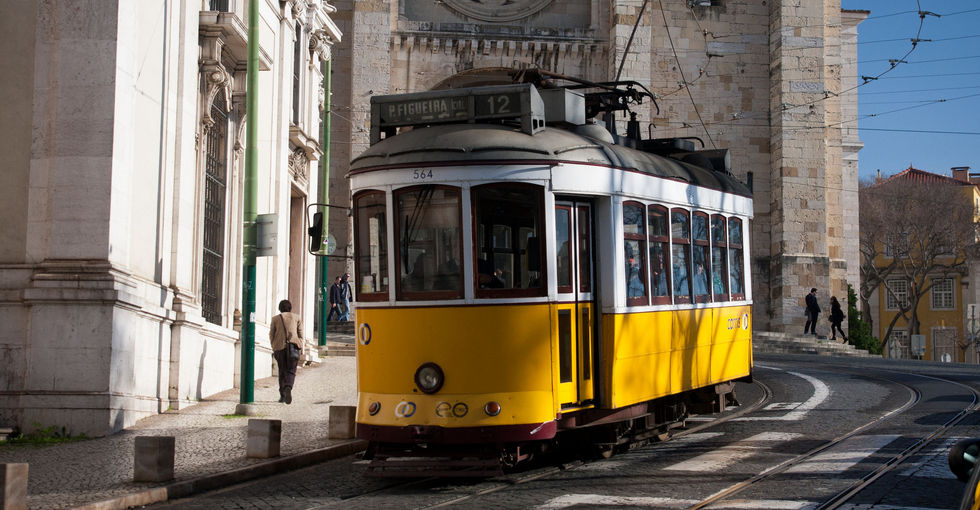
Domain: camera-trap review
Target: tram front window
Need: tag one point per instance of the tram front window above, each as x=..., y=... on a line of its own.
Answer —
x=428, y=235
x=507, y=231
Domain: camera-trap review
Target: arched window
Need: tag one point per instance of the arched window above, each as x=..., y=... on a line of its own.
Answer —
x=634, y=239
x=659, y=254
x=680, y=236
x=719, y=258
x=371, y=238
x=215, y=192
x=702, y=269
x=428, y=234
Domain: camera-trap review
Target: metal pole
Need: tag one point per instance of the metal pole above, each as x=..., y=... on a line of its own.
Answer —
x=250, y=199
x=325, y=199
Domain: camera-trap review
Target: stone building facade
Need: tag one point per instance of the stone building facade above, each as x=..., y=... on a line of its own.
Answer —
x=771, y=81
x=121, y=251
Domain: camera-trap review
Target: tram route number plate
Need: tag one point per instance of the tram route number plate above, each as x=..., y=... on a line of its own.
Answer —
x=447, y=109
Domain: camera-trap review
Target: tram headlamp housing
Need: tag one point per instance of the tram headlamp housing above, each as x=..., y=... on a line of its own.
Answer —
x=429, y=378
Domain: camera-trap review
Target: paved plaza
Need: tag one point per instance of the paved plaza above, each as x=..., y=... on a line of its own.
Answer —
x=210, y=445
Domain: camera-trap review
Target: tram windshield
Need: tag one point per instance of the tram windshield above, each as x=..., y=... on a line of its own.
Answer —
x=428, y=236
x=507, y=231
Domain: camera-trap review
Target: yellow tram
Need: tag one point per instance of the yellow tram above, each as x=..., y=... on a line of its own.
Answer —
x=523, y=275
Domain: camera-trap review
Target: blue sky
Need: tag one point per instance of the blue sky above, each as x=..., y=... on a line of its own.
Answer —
x=902, y=117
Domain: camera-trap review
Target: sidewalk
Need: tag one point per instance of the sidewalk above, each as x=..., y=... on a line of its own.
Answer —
x=210, y=445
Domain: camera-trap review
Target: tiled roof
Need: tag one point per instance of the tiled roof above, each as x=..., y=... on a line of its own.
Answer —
x=921, y=176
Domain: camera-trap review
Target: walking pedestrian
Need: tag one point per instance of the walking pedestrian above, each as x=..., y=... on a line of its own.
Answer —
x=286, y=337
x=345, y=297
x=836, y=318
x=812, y=311
x=335, y=300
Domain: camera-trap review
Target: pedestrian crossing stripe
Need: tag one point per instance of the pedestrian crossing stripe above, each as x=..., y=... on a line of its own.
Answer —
x=733, y=453
x=843, y=455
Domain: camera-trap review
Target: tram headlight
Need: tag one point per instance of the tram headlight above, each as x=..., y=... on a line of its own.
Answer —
x=429, y=378
x=374, y=408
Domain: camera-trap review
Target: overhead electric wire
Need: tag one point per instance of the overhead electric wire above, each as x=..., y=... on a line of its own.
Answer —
x=680, y=69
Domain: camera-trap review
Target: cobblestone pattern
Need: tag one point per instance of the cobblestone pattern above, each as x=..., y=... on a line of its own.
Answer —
x=210, y=439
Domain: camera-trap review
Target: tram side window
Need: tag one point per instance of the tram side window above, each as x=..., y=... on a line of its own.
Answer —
x=702, y=270
x=428, y=234
x=659, y=254
x=719, y=257
x=371, y=227
x=508, y=230
x=735, y=258
x=634, y=238
x=681, y=237
x=563, y=250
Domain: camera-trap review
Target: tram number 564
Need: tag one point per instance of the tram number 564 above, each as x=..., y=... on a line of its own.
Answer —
x=421, y=175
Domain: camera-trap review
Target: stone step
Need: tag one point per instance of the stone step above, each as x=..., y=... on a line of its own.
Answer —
x=338, y=349
x=784, y=343
x=340, y=327
x=7, y=432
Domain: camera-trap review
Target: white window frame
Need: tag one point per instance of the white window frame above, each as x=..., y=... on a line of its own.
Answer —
x=942, y=294
x=894, y=297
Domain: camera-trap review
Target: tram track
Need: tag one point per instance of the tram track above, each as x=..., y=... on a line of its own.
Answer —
x=884, y=468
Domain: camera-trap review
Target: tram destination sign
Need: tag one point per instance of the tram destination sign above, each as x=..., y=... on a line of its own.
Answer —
x=520, y=102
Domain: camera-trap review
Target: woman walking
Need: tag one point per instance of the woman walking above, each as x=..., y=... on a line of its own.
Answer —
x=836, y=318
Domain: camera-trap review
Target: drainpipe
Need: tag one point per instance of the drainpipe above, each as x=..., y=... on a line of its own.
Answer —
x=250, y=200
x=325, y=199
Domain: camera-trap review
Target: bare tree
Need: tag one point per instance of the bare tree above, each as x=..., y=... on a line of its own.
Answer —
x=913, y=232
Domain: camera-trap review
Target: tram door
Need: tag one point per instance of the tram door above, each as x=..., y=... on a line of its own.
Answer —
x=575, y=304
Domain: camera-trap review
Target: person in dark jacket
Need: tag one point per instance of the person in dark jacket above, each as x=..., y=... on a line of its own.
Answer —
x=812, y=311
x=286, y=339
x=335, y=300
x=836, y=318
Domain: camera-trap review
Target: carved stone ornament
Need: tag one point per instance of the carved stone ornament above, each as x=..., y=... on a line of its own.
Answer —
x=298, y=163
x=320, y=43
x=497, y=10
x=217, y=80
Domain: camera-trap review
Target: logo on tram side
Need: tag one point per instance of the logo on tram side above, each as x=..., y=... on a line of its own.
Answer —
x=739, y=322
x=405, y=409
x=364, y=334
x=446, y=410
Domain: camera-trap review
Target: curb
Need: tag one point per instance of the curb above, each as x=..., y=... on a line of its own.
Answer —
x=206, y=483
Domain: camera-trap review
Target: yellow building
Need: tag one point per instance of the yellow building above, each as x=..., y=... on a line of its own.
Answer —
x=921, y=248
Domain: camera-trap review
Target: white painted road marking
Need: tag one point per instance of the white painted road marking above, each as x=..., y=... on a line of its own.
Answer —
x=604, y=500
x=596, y=500
x=843, y=455
x=735, y=452
x=820, y=393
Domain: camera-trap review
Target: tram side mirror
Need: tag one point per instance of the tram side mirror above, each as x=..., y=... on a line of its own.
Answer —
x=963, y=458
x=533, y=254
x=316, y=233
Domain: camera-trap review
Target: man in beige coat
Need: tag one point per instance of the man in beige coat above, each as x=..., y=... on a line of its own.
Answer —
x=286, y=329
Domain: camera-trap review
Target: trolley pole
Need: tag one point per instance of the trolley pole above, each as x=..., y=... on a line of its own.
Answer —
x=325, y=199
x=250, y=199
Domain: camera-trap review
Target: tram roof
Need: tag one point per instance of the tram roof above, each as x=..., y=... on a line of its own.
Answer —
x=475, y=143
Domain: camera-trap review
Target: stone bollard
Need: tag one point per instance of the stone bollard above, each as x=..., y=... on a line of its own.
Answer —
x=153, y=459
x=264, y=437
x=13, y=486
x=340, y=422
